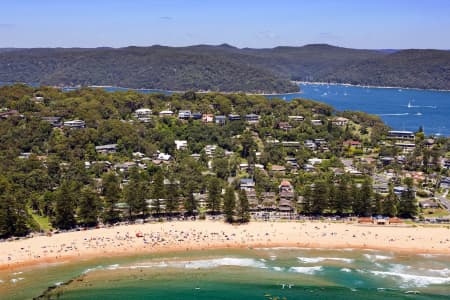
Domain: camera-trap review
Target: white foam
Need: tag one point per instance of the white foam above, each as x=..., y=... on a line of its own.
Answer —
x=314, y=260
x=14, y=280
x=278, y=269
x=375, y=257
x=413, y=280
x=442, y=272
x=306, y=270
x=226, y=261
x=1, y=281
x=59, y=283
x=17, y=273
x=112, y=267
x=346, y=270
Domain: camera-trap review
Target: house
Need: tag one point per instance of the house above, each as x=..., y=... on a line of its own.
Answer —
x=445, y=183
x=210, y=150
x=285, y=186
x=352, y=143
x=406, y=147
x=5, y=113
x=54, y=121
x=197, y=116
x=296, y=118
x=276, y=169
x=314, y=161
x=37, y=99
x=290, y=144
x=386, y=160
x=74, y=124
x=381, y=188
x=25, y=155
x=310, y=144
x=181, y=144
x=285, y=126
x=268, y=201
x=207, y=118
x=220, y=120
x=252, y=118
x=427, y=204
x=184, y=114
x=143, y=114
x=124, y=167
x=165, y=113
x=316, y=122
x=340, y=121
x=252, y=199
x=292, y=162
x=285, y=206
x=446, y=163
x=247, y=184
x=234, y=117
x=106, y=149
x=401, y=135
x=164, y=156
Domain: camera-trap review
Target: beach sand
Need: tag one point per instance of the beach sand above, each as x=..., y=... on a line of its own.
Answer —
x=198, y=235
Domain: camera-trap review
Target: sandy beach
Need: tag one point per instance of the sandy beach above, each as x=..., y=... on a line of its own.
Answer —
x=197, y=235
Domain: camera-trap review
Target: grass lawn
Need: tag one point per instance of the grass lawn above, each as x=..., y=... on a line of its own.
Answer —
x=435, y=213
x=43, y=222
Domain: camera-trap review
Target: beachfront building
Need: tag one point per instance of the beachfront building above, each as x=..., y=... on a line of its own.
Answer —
x=210, y=150
x=74, y=124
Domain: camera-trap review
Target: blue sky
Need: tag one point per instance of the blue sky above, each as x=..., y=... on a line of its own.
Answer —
x=374, y=24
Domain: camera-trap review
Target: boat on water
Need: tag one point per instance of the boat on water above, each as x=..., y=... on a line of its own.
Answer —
x=418, y=114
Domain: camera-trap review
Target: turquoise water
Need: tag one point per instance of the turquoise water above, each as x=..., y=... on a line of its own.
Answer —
x=265, y=273
x=402, y=109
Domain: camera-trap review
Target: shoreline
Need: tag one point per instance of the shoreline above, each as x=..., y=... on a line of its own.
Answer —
x=182, y=236
x=367, y=86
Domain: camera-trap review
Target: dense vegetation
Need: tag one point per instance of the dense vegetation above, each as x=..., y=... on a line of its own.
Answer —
x=64, y=181
x=225, y=68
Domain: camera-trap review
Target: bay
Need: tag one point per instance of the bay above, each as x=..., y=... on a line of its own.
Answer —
x=401, y=109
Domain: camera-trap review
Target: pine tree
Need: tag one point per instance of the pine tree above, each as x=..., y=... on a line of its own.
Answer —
x=364, y=199
x=229, y=204
x=319, y=197
x=111, y=194
x=214, y=195
x=65, y=198
x=408, y=203
x=378, y=204
x=190, y=203
x=243, y=207
x=342, y=198
x=307, y=199
x=390, y=203
x=88, y=207
x=158, y=192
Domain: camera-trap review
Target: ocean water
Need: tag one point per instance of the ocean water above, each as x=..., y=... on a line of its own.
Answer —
x=260, y=273
x=402, y=109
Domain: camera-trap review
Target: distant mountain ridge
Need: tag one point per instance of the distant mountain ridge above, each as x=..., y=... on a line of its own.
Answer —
x=226, y=68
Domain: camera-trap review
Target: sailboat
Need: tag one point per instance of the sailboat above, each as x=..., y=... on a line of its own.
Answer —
x=409, y=104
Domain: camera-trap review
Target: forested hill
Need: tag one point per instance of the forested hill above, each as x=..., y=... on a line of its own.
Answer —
x=226, y=68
